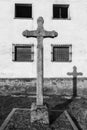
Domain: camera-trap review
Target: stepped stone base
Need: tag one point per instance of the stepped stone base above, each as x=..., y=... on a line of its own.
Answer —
x=39, y=114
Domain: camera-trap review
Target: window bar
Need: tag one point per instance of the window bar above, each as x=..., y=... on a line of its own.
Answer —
x=70, y=53
x=51, y=52
x=69, y=12
x=60, y=13
x=32, y=52
x=13, y=52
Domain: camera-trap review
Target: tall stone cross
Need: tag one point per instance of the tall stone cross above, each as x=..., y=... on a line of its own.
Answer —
x=74, y=74
x=40, y=34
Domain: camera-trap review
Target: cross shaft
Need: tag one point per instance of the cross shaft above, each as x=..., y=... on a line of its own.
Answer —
x=40, y=34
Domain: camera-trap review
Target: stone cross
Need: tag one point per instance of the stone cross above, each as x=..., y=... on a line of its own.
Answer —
x=74, y=74
x=40, y=34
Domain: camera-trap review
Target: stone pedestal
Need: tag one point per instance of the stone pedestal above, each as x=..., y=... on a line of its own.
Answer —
x=39, y=114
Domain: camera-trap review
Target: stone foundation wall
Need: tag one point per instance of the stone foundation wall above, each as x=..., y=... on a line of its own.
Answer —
x=52, y=86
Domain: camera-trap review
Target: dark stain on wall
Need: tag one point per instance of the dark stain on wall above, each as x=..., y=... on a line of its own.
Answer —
x=52, y=86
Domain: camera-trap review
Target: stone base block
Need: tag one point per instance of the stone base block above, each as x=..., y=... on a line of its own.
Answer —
x=39, y=114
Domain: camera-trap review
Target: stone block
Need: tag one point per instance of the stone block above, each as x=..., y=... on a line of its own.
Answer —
x=39, y=114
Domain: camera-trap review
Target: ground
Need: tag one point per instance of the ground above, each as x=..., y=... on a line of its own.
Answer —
x=56, y=105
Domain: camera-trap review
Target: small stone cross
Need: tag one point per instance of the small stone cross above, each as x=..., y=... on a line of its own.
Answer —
x=74, y=74
x=40, y=34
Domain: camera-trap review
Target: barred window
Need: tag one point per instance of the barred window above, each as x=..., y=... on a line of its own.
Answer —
x=23, y=10
x=61, y=53
x=60, y=11
x=23, y=53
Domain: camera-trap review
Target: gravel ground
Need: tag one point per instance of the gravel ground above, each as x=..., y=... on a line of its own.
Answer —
x=56, y=104
x=78, y=111
x=21, y=121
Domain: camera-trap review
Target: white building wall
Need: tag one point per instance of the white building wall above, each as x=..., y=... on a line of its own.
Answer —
x=72, y=31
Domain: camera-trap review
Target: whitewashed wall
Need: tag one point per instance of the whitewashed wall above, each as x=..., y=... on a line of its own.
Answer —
x=73, y=31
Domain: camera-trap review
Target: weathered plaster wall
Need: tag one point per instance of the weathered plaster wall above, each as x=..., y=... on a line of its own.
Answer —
x=52, y=86
x=71, y=31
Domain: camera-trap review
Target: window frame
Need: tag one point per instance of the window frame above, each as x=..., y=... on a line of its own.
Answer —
x=62, y=5
x=63, y=45
x=15, y=17
x=22, y=45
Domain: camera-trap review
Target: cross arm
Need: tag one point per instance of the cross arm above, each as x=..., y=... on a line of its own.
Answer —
x=74, y=74
x=27, y=33
x=50, y=34
x=70, y=73
x=79, y=73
